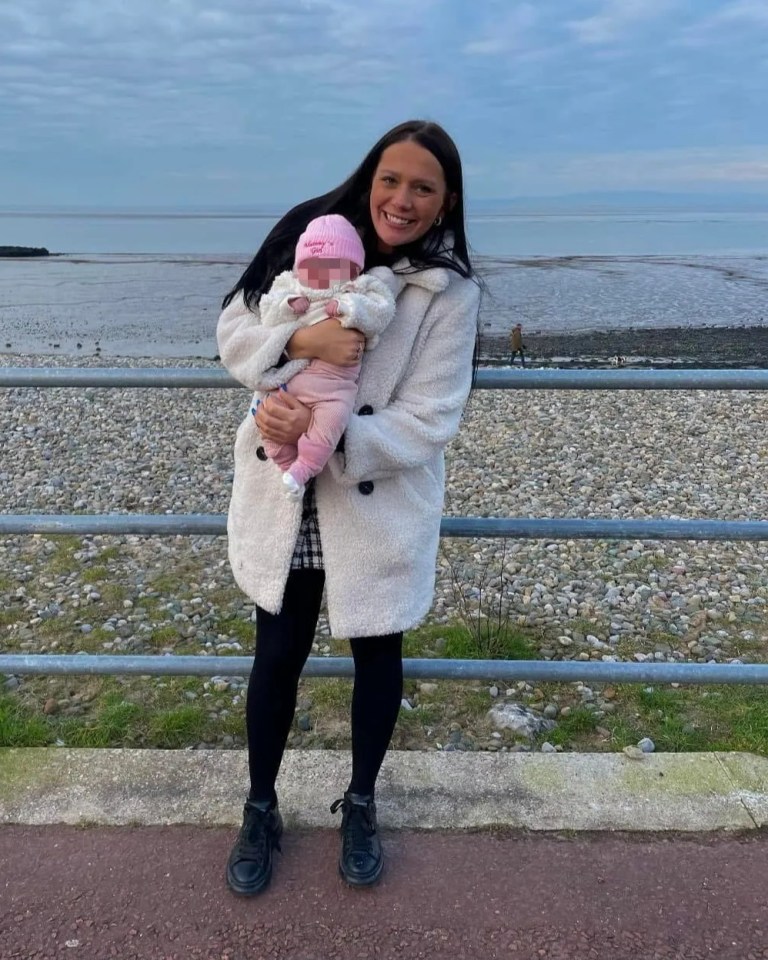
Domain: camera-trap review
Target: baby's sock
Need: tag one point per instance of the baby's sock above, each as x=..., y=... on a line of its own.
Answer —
x=293, y=488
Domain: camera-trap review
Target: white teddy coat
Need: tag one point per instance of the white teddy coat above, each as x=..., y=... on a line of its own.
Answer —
x=379, y=504
x=367, y=303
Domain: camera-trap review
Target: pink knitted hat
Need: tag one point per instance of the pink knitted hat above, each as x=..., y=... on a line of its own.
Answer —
x=332, y=236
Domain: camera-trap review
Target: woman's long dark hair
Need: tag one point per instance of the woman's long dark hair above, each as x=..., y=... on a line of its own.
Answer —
x=351, y=200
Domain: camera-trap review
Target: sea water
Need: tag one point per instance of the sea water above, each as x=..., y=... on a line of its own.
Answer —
x=151, y=284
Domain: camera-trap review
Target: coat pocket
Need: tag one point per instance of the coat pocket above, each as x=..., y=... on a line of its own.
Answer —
x=423, y=488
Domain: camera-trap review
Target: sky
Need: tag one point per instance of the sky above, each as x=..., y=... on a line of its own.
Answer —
x=247, y=103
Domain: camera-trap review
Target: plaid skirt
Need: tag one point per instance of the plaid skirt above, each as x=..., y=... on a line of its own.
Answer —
x=308, y=552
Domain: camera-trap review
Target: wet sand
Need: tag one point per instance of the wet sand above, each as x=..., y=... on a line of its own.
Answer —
x=669, y=346
x=700, y=311
x=704, y=347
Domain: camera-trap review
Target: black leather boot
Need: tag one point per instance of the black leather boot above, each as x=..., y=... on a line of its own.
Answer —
x=249, y=868
x=361, y=860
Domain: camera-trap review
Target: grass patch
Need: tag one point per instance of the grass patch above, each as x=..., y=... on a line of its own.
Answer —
x=426, y=714
x=596, y=627
x=411, y=728
x=7, y=617
x=117, y=722
x=704, y=718
x=334, y=693
x=164, y=583
x=754, y=648
x=109, y=553
x=580, y=721
x=474, y=703
x=62, y=559
x=678, y=720
x=452, y=641
x=57, y=627
x=164, y=636
x=234, y=725
x=505, y=643
x=154, y=607
x=222, y=596
x=242, y=630
x=121, y=714
x=431, y=719
x=113, y=593
x=19, y=726
x=455, y=642
x=179, y=726
x=94, y=641
x=428, y=639
x=646, y=642
x=138, y=712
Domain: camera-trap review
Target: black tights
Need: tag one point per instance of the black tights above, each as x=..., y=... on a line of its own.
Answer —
x=283, y=643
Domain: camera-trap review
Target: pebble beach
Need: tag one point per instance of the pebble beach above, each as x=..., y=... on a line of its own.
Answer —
x=620, y=454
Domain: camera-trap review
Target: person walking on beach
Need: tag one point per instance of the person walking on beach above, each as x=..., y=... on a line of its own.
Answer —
x=368, y=526
x=516, y=344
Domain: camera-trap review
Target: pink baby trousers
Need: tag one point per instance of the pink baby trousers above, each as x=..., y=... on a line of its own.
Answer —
x=329, y=391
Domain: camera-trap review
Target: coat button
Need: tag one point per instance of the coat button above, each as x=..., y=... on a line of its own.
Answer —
x=365, y=487
x=261, y=453
x=365, y=411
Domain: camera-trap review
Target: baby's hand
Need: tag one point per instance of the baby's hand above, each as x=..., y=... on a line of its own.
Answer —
x=332, y=308
x=299, y=305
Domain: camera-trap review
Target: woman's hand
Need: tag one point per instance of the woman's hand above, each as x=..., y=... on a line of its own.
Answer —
x=327, y=341
x=282, y=418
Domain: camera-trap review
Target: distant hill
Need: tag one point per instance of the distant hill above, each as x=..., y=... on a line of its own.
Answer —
x=24, y=252
x=626, y=201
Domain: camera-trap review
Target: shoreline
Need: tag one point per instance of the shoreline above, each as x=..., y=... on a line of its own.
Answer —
x=661, y=347
x=708, y=347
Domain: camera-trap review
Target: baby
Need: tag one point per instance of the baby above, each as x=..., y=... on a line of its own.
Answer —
x=326, y=281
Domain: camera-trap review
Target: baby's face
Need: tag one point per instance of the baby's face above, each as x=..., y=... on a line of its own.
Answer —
x=319, y=274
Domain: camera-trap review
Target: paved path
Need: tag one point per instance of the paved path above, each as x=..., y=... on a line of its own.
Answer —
x=158, y=893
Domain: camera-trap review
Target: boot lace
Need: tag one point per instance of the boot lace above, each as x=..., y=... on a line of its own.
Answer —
x=357, y=824
x=256, y=833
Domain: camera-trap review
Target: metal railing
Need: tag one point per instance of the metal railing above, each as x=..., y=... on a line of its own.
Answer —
x=487, y=379
x=513, y=527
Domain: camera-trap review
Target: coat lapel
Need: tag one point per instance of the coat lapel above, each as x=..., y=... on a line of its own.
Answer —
x=435, y=279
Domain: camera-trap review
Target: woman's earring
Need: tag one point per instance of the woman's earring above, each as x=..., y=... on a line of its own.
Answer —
x=439, y=220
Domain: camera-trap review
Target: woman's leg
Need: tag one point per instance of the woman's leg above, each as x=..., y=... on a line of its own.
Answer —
x=376, y=699
x=283, y=643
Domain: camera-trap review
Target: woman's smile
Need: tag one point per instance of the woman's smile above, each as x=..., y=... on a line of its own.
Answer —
x=408, y=193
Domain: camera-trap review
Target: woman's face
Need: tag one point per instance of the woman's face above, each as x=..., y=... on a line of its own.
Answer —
x=408, y=193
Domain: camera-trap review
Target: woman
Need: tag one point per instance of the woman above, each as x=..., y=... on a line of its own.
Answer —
x=368, y=528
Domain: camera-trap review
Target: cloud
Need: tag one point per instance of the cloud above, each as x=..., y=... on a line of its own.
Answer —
x=747, y=12
x=742, y=22
x=143, y=70
x=618, y=20
x=504, y=31
x=641, y=170
x=283, y=96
